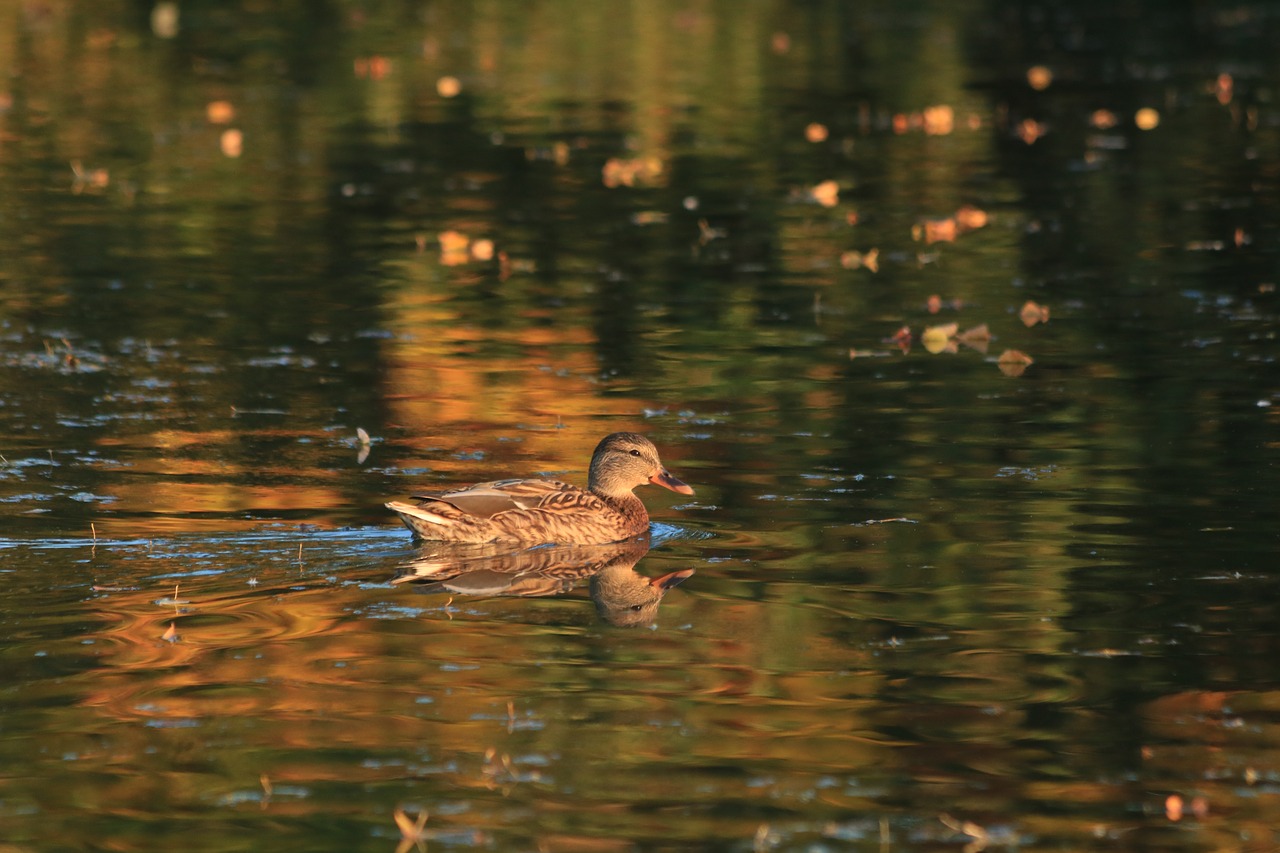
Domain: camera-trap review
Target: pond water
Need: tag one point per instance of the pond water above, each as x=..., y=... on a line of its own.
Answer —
x=1010, y=584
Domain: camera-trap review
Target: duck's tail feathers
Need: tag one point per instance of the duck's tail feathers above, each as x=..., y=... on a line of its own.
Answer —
x=421, y=521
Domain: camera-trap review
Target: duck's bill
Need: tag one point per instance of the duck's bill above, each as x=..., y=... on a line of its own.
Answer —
x=665, y=582
x=664, y=479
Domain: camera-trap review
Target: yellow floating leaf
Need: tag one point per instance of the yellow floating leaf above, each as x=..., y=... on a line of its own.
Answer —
x=937, y=339
x=1147, y=118
x=171, y=634
x=482, y=250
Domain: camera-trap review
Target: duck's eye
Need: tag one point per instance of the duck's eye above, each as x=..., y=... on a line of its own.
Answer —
x=635, y=452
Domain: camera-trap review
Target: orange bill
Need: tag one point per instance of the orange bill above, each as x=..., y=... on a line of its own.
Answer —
x=663, y=478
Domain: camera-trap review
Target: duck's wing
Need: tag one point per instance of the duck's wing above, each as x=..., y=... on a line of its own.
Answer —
x=485, y=500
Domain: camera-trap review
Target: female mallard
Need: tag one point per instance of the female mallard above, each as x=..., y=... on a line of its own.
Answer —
x=538, y=512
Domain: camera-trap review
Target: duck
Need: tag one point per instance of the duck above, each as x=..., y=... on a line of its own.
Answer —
x=549, y=512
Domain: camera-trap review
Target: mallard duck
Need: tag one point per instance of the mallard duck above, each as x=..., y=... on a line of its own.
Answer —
x=538, y=512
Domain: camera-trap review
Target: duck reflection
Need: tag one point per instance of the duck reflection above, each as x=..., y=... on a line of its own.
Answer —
x=622, y=596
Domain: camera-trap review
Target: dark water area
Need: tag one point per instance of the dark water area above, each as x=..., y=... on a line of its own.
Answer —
x=1007, y=585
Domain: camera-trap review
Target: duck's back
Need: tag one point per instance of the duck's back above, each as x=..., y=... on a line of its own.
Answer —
x=522, y=511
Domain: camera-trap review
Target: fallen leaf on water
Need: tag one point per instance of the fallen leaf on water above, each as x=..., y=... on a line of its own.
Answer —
x=219, y=112
x=1173, y=807
x=448, y=87
x=971, y=218
x=826, y=193
x=412, y=832
x=902, y=338
x=857, y=260
x=1147, y=118
x=619, y=172
x=1039, y=77
x=938, y=120
x=936, y=230
x=170, y=635
x=937, y=339
x=1014, y=363
x=1032, y=313
x=1103, y=119
x=1224, y=88
x=1199, y=806
x=816, y=132
x=453, y=241
x=979, y=337
x=1029, y=130
x=482, y=250
x=231, y=142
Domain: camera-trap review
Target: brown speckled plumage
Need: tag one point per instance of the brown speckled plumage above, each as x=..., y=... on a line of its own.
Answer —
x=535, y=512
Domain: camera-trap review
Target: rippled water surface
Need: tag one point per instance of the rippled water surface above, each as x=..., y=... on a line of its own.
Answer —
x=1010, y=585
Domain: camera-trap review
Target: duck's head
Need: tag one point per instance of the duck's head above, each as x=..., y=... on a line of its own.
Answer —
x=625, y=460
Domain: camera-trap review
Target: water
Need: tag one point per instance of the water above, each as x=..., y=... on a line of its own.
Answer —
x=926, y=601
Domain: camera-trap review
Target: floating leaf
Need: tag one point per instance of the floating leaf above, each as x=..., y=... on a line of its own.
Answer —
x=412, y=832
x=231, y=142
x=971, y=218
x=1224, y=88
x=1032, y=313
x=1147, y=118
x=937, y=339
x=170, y=635
x=219, y=112
x=1103, y=119
x=448, y=87
x=979, y=338
x=826, y=193
x=1014, y=363
x=815, y=132
x=935, y=230
x=482, y=249
x=856, y=260
x=1029, y=130
x=938, y=120
x=1039, y=77
x=902, y=338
